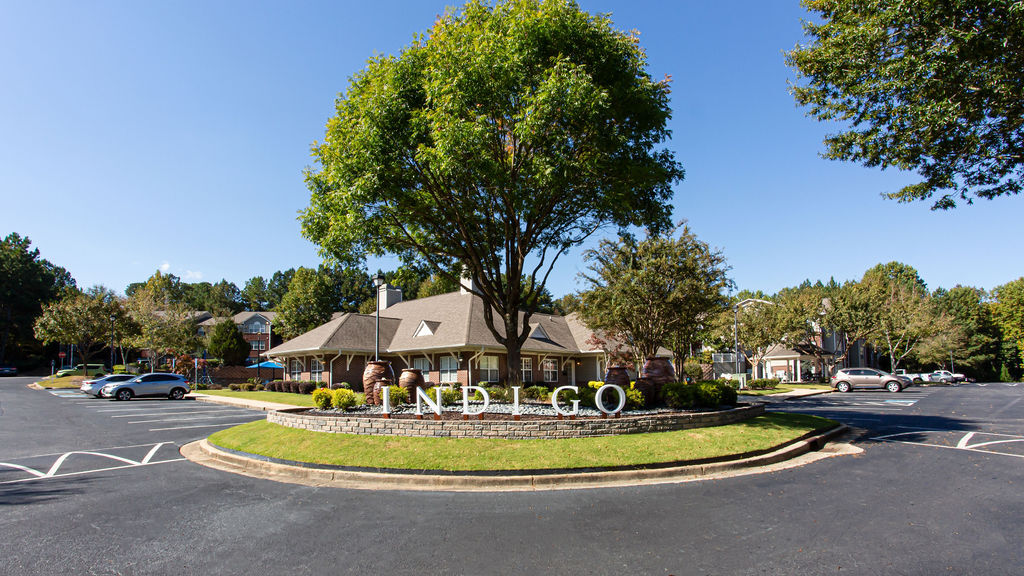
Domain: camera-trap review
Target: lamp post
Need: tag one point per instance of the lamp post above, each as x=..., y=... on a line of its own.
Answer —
x=736, y=339
x=378, y=281
x=112, y=318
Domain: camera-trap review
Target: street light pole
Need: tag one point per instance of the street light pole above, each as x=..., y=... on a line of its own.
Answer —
x=736, y=340
x=378, y=281
x=112, y=318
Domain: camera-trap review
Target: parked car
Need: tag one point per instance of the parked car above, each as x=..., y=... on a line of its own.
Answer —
x=8, y=370
x=93, y=387
x=943, y=376
x=850, y=378
x=80, y=369
x=173, y=386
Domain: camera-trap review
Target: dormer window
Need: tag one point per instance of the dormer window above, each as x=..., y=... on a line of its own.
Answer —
x=538, y=333
x=426, y=329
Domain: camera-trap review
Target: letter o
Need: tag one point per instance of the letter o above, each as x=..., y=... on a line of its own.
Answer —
x=600, y=393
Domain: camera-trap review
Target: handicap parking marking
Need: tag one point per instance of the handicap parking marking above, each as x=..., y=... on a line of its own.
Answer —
x=980, y=442
x=29, y=471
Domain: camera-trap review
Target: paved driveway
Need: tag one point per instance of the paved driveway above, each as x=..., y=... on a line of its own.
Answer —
x=899, y=508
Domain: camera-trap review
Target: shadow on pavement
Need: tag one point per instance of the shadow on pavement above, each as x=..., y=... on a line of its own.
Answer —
x=39, y=491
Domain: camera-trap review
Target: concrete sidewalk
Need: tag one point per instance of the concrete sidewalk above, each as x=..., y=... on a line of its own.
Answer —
x=782, y=396
x=240, y=402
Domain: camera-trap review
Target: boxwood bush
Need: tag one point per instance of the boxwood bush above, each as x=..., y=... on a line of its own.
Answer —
x=343, y=398
x=763, y=384
x=322, y=398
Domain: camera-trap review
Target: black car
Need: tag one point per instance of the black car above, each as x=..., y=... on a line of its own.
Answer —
x=8, y=370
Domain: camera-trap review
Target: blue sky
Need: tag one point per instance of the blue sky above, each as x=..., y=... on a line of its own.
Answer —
x=139, y=136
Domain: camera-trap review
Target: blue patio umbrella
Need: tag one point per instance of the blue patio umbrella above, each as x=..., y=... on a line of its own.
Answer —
x=267, y=364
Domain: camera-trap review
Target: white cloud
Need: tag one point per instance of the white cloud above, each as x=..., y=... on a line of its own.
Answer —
x=192, y=275
x=165, y=266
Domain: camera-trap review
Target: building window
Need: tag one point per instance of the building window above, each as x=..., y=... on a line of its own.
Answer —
x=295, y=370
x=527, y=369
x=449, y=369
x=316, y=370
x=489, y=369
x=550, y=371
x=258, y=344
x=423, y=365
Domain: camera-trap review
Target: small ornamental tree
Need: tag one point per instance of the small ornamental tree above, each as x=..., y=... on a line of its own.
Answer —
x=227, y=343
x=493, y=144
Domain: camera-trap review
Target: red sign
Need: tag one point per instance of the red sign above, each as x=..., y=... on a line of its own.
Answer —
x=61, y=355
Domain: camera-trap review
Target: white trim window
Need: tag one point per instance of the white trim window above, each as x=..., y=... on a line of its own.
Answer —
x=423, y=365
x=526, y=368
x=294, y=370
x=489, y=369
x=316, y=371
x=449, y=369
x=550, y=370
x=257, y=344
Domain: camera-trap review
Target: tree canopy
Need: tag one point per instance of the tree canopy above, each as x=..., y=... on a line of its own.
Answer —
x=931, y=87
x=27, y=282
x=507, y=135
x=80, y=318
x=660, y=291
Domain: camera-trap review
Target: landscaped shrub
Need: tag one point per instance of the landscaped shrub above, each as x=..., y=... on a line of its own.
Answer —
x=254, y=381
x=260, y=387
x=307, y=387
x=763, y=383
x=693, y=370
x=343, y=398
x=322, y=398
x=294, y=387
x=729, y=396
x=398, y=395
x=499, y=394
x=248, y=386
x=235, y=387
x=678, y=395
x=537, y=393
x=199, y=386
x=344, y=385
x=708, y=394
x=634, y=399
x=449, y=396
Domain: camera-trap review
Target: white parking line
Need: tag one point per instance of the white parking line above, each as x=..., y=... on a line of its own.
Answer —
x=186, y=419
x=962, y=444
x=54, y=469
x=203, y=426
x=173, y=413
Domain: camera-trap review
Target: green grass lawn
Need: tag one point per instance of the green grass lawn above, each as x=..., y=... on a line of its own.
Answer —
x=62, y=382
x=278, y=441
x=279, y=397
x=786, y=388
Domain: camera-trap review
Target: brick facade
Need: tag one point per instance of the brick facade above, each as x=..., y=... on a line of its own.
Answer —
x=509, y=429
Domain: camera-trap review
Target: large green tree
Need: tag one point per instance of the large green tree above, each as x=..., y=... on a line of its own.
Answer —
x=976, y=350
x=27, y=282
x=493, y=144
x=226, y=342
x=309, y=302
x=1008, y=313
x=80, y=318
x=932, y=87
x=902, y=311
x=165, y=323
x=659, y=291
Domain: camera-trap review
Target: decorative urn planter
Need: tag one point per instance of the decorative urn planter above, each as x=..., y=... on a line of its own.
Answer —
x=410, y=380
x=658, y=370
x=617, y=375
x=650, y=390
x=376, y=370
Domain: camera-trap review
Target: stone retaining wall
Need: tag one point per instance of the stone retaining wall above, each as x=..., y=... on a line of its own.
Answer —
x=509, y=429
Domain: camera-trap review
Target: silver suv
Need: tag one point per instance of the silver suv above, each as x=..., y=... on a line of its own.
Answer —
x=849, y=378
x=173, y=386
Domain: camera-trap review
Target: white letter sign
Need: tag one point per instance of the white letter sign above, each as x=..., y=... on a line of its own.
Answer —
x=575, y=403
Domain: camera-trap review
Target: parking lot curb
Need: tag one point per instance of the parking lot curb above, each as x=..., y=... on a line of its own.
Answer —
x=795, y=454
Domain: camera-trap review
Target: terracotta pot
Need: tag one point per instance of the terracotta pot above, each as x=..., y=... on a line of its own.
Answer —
x=376, y=370
x=410, y=380
x=658, y=370
x=617, y=375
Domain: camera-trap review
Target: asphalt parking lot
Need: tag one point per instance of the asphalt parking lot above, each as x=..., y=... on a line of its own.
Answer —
x=936, y=490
